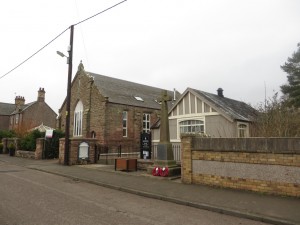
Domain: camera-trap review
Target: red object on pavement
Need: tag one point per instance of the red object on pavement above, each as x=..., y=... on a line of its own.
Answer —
x=156, y=171
x=164, y=172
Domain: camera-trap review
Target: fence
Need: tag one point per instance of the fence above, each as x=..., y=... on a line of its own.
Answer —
x=107, y=154
x=176, y=151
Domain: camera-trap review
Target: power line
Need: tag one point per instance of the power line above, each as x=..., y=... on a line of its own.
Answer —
x=34, y=54
x=100, y=12
x=59, y=36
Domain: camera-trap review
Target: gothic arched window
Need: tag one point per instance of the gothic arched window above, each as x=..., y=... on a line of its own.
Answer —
x=78, y=119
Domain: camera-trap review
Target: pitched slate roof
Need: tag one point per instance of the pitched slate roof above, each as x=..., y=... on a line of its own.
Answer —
x=6, y=108
x=124, y=92
x=236, y=110
x=24, y=107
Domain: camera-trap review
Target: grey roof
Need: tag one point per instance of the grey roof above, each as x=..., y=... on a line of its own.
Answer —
x=234, y=109
x=124, y=92
x=24, y=107
x=6, y=108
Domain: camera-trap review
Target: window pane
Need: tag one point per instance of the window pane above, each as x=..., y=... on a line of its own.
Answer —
x=124, y=123
x=78, y=119
x=191, y=126
x=146, y=122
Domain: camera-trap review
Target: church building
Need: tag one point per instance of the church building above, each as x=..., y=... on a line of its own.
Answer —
x=111, y=110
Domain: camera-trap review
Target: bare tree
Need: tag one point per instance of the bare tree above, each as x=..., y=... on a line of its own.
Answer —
x=276, y=119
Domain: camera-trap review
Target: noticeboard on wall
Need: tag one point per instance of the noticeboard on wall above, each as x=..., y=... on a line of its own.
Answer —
x=145, y=146
x=83, y=151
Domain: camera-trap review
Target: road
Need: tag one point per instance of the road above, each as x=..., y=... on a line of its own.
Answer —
x=30, y=197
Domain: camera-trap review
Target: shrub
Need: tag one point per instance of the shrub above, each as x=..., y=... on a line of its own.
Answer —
x=277, y=119
x=6, y=134
x=28, y=143
x=11, y=146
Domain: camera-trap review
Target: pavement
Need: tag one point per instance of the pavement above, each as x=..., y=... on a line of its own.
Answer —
x=255, y=206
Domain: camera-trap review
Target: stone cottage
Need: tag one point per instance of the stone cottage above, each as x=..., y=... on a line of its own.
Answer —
x=27, y=116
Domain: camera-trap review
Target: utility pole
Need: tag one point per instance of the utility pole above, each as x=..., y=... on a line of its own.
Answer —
x=68, y=103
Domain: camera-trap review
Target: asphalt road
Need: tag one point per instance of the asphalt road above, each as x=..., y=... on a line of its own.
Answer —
x=30, y=197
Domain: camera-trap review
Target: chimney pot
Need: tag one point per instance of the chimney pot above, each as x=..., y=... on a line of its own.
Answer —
x=41, y=95
x=220, y=92
x=19, y=101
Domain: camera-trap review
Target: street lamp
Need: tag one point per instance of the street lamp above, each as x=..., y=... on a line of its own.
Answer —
x=68, y=100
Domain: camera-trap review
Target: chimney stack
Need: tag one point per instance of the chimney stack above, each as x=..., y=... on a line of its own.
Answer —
x=41, y=95
x=19, y=101
x=220, y=92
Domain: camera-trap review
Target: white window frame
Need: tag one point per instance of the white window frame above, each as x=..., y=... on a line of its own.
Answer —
x=124, y=122
x=187, y=117
x=243, y=127
x=193, y=124
x=78, y=118
x=146, y=122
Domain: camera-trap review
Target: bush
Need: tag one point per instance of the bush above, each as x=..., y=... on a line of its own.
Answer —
x=277, y=119
x=11, y=146
x=1, y=148
x=12, y=149
x=28, y=143
x=6, y=134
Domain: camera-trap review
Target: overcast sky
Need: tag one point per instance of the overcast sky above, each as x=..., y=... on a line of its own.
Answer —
x=237, y=45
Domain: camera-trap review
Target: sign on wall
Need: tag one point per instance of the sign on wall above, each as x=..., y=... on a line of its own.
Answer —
x=145, y=146
x=49, y=134
x=83, y=152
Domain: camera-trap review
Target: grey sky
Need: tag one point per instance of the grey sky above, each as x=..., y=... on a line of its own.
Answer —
x=238, y=45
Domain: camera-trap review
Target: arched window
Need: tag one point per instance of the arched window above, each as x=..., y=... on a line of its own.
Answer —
x=191, y=126
x=93, y=134
x=78, y=119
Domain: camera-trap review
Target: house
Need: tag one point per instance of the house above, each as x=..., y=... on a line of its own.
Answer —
x=21, y=116
x=210, y=114
x=111, y=110
x=6, y=110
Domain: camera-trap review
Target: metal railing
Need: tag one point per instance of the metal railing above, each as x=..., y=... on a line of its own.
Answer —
x=176, y=151
x=108, y=153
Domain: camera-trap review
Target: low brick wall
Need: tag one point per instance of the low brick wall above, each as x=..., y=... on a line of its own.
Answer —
x=268, y=165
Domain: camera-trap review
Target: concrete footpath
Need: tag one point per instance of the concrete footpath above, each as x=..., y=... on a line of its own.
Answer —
x=260, y=207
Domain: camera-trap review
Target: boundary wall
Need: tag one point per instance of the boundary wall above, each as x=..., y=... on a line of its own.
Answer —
x=267, y=165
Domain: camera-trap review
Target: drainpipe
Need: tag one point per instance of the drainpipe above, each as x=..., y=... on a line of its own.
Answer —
x=88, y=116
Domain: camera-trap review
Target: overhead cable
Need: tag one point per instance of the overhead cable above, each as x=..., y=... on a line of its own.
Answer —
x=59, y=36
